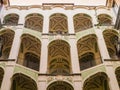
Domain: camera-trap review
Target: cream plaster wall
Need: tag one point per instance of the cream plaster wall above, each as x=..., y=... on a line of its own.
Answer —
x=76, y=2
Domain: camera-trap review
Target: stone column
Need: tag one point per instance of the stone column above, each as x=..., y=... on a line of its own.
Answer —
x=2, y=11
x=102, y=45
x=44, y=55
x=113, y=84
x=16, y=44
x=74, y=55
x=21, y=20
x=77, y=83
x=42, y=83
x=7, y=78
x=46, y=23
x=70, y=24
x=94, y=18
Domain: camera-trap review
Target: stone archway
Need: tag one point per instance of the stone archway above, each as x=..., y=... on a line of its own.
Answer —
x=58, y=23
x=23, y=82
x=88, y=51
x=111, y=40
x=11, y=19
x=98, y=81
x=34, y=21
x=60, y=85
x=29, y=53
x=82, y=22
x=59, y=62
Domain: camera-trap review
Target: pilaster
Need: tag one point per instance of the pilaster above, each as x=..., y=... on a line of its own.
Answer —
x=6, y=82
x=46, y=23
x=101, y=44
x=77, y=83
x=70, y=24
x=44, y=54
x=113, y=84
x=42, y=85
x=16, y=44
x=74, y=55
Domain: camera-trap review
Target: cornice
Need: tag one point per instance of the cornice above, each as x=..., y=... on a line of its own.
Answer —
x=50, y=6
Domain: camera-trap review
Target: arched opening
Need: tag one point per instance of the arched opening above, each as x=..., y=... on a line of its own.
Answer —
x=82, y=22
x=11, y=19
x=59, y=62
x=87, y=60
x=29, y=53
x=98, y=81
x=117, y=72
x=23, y=82
x=104, y=20
x=1, y=75
x=32, y=61
x=111, y=40
x=88, y=52
x=58, y=23
x=60, y=85
x=34, y=21
x=6, y=39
